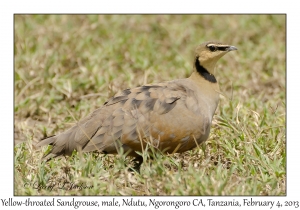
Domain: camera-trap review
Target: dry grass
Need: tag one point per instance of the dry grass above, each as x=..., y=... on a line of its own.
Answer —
x=74, y=63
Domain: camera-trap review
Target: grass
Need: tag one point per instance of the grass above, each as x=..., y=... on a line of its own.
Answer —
x=72, y=63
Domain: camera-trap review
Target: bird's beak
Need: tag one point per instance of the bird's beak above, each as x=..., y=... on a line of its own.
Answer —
x=230, y=48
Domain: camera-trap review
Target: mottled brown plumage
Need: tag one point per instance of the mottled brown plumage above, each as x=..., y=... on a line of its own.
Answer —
x=172, y=116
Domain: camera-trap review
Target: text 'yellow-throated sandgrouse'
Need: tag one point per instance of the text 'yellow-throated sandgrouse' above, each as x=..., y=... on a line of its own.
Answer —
x=173, y=116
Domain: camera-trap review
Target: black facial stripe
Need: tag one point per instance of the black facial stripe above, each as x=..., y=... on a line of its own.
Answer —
x=203, y=72
x=222, y=48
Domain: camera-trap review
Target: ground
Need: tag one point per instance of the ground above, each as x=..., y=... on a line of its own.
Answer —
x=68, y=65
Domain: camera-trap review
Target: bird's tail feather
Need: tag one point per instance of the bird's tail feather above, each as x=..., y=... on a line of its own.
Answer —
x=46, y=141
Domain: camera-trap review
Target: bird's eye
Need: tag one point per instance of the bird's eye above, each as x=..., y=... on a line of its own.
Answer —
x=212, y=48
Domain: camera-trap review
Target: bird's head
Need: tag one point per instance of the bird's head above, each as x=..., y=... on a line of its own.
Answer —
x=208, y=53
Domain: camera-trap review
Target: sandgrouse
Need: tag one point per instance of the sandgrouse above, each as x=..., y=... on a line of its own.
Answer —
x=172, y=116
